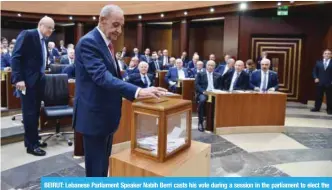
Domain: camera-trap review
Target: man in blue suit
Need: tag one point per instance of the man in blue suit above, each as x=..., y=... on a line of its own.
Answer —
x=264, y=79
x=176, y=73
x=100, y=89
x=6, y=58
x=53, y=52
x=236, y=79
x=223, y=69
x=322, y=74
x=155, y=65
x=192, y=64
x=142, y=79
x=28, y=67
x=146, y=57
x=133, y=67
x=69, y=59
x=199, y=69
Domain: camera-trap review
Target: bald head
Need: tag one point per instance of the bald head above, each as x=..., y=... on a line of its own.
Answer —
x=230, y=63
x=46, y=26
x=265, y=64
x=210, y=65
x=239, y=66
x=111, y=21
x=199, y=65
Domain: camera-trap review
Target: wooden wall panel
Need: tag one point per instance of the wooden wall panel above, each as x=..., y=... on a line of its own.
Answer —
x=328, y=39
x=159, y=37
x=231, y=35
x=130, y=38
x=176, y=52
x=313, y=29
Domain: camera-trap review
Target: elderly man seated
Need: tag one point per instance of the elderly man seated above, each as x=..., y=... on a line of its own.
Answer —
x=223, y=69
x=264, y=79
x=236, y=79
x=142, y=79
x=198, y=69
x=170, y=64
x=70, y=58
x=176, y=73
x=132, y=67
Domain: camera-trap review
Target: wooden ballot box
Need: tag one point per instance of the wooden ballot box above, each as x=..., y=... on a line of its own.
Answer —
x=186, y=87
x=123, y=133
x=160, y=128
x=245, y=110
x=192, y=162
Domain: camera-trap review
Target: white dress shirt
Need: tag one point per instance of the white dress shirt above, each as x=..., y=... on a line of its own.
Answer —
x=44, y=47
x=235, y=76
x=147, y=78
x=181, y=74
x=326, y=63
x=225, y=70
x=165, y=60
x=210, y=86
x=262, y=79
x=107, y=42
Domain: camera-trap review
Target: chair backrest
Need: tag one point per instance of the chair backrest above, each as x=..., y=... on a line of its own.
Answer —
x=57, y=68
x=56, y=90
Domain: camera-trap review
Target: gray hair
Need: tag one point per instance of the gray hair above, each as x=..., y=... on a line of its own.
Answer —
x=178, y=60
x=70, y=50
x=200, y=62
x=109, y=9
x=230, y=60
x=210, y=62
x=266, y=60
x=143, y=63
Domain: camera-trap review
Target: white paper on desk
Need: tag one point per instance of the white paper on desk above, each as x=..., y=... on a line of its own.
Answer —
x=176, y=133
x=219, y=91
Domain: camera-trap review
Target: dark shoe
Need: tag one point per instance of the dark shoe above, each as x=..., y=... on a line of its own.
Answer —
x=42, y=145
x=200, y=127
x=36, y=152
x=314, y=110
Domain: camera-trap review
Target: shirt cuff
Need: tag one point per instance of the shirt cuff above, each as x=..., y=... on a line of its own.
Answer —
x=137, y=91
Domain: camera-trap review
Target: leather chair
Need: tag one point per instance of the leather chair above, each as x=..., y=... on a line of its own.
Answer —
x=56, y=103
x=56, y=68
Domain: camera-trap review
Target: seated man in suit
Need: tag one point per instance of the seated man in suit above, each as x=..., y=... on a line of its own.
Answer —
x=184, y=58
x=136, y=53
x=218, y=67
x=70, y=70
x=264, y=55
x=250, y=67
x=146, y=57
x=142, y=79
x=53, y=52
x=264, y=79
x=124, y=52
x=176, y=73
x=63, y=50
x=165, y=58
x=155, y=64
x=132, y=67
x=193, y=62
x=199, y=68
x=205, y=81
x=122, y=64
x=170, y=64
x=69, y=59
x=223, y=69
x=236, y=79
x=6, y=58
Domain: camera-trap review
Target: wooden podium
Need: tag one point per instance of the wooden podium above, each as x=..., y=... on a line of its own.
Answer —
x=192, y=162
x=245, y=110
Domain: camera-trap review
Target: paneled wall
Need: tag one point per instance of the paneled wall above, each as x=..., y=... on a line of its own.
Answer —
x=130, y=36
x=158, y=37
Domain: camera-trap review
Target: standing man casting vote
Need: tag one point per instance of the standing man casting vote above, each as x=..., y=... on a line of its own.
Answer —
x=100, y=89
x=264, y=79
x=205, y=81
x=28, y=67
x=323, y=78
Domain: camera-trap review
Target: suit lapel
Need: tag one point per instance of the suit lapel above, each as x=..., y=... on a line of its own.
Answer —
x=38, y=43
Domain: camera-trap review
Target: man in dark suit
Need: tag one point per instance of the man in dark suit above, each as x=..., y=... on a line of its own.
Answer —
x=165, y=58
x=185, y=58
x=224, y=63
x=322, y=74
x=155, y=64
x=6, y=58
x=122, y=64
x=171, y=64
x=53, y=53
x=199, y=68
x=133, y=67
x=236, y=79
x=70, y=70
x=28, y=67
x=124, y=53
x=176, y=73
x=146, y=57
x=223, y=69
x=192, y=64
x=69, y=59
x=100, y=89
x=136, y=53
x=63, y=50
x=264, y=55
x=205, y=81
x=142, y=79
x=250, y=67
x=264, y=79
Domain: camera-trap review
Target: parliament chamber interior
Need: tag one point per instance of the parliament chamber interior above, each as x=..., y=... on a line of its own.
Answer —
x=249, y=84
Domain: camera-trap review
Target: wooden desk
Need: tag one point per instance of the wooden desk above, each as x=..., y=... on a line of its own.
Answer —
x=186, y=87
x=194, y=161
x=123, y=132
x=160, y=79
x=246, y=109
x=12, y=102
x=3, y=93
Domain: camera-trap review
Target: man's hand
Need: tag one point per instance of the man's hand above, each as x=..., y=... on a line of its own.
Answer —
x=71, y=80
x=316, y=80
x=272, y=89
x=154, y=92
x=7, y=69
x=20, y=85
x=256, y=89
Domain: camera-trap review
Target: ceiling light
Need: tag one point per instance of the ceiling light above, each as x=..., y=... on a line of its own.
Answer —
x=211, y=10
x=243, y=6
x=162, y=15
x=19, y=15
x=185, y=13
x=291, y=1
x=94, y=18
x=279, y=3
x=139, y=16
x=70, y=18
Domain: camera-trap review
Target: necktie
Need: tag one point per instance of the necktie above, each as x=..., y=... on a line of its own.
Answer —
x=234, y=81
x=157, y=65
x=264, y=82
x=110, y=47
x=147, y=58
x=146, y=81
x=42, y=69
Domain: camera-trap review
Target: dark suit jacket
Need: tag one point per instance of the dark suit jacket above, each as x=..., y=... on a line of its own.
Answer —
x=201, y=82
x=137, y=80
x=324, y=76
x=63, y=50
x=70, y=71
x=143, y=58
x=172, y=74
x=27, y=58
x=152, y=66
x=99, y=88
x=64, y=61
x=162, y=59
x=255, y=80
x=193, y=72
x=130, y=71
x=53, y=54
x=190, y=65
x=242, y=83
x=5, y=60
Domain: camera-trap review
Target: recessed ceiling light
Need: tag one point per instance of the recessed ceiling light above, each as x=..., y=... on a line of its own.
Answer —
x=211, y=10
x=185, y=13
x=162, y=15
x=70, y=18
x=279, y=3
x=291, y=1
x=243, y=6
x=94, y=18
x=19, y=15
x=139, y=16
